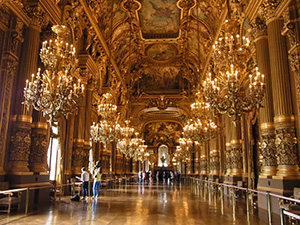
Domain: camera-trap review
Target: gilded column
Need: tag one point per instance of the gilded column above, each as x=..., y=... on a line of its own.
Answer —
x=203, y=165
x=236, y=151
x=39, y=147
x=267, y=127
x=214, y=158
x=80, y=153
x=19, y=148
x=286, y=141
x=228, y=161
x=197, y=161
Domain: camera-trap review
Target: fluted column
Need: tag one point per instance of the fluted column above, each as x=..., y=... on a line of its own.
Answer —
x=285, y=142
x=236, y=151
x=267, y=127
x=197, y=161
x=214, y=158
x=203, y=165
x=228, y=164
x=19, y=148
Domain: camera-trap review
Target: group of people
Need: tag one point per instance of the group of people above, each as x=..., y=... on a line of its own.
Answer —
x=85, y=177
x=161, y=176
x=145, y=176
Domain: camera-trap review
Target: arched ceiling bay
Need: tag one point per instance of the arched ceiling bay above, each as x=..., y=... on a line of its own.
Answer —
x=160, y=47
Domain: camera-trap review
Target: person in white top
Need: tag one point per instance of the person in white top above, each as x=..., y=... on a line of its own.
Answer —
x=85, y=177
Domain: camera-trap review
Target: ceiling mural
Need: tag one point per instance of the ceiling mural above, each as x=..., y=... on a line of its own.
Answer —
x=159, y=48
x=159, y=17
x=161, y=52
x=158, y=78
x=162, y=133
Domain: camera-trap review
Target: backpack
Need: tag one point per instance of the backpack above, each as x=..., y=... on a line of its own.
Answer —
x=75, y=198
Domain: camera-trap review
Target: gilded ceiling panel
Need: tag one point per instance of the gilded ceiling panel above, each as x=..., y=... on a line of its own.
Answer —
x=159, y=17
x=161, y=78
x=161, y=52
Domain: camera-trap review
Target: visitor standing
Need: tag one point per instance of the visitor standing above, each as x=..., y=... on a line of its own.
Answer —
x=85, y=177
x=97, y=180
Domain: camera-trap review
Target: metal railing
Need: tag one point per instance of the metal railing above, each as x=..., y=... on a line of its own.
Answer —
x=233, y=190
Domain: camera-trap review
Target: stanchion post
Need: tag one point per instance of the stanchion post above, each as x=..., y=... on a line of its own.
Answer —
x=269, y=208
x=27, y=201
x=247, y=202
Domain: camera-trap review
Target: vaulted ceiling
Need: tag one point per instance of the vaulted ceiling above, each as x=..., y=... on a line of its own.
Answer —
x=157, y=48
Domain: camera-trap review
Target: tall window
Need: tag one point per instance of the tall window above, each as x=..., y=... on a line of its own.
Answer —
x=53, y=154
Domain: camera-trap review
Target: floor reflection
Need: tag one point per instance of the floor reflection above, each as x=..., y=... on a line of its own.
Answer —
x=142, y=204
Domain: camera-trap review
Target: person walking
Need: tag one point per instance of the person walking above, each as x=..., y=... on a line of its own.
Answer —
x=97, y=180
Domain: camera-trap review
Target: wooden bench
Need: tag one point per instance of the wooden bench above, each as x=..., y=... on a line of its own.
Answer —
x=8, y=200
x=290, y=209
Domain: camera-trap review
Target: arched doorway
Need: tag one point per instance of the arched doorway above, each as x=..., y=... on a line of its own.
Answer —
x=163, y=156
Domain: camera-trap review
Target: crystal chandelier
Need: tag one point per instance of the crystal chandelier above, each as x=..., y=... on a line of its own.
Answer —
x=181, y=155
x=108, y=129
x=141, y=153
x=105, y=132
x=107, y=109
x=126, y=144
x=233, y=89
x=54, y=91
x=198, y=130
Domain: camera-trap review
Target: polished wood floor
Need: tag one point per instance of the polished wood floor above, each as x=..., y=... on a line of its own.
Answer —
x=140, y=204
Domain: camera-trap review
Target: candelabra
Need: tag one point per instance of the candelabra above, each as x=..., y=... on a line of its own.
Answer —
x=233, y=90
x=54, y=91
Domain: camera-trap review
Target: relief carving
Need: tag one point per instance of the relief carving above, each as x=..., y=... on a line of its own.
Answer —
x=268, y=150
x=286, y=144
x=39, y=147
x=259, y=28
x=236, y=158
x=20, y=144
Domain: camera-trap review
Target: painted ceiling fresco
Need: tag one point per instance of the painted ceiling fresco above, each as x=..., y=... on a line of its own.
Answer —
x=160, y=78
x=161, y=52
x=159, y=17
x=162, y=133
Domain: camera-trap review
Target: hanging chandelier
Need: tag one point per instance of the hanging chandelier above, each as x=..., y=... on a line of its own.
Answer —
x=126, y=144
x=230, y=87
x=106, y=108
x=141, y=154
x=198, y=130
x=54, y=91
x=108, y=129
x=105, y=132
x=181, y=155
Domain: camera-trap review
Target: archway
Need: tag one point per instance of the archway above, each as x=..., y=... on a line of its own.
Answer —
x=163, y=156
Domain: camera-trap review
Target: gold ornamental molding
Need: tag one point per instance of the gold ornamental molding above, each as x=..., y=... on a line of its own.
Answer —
x=22, y=118
x=284, y=118
x=267, y=126
x=96, y=27
x=40, y=125
x=236, y=142
x=284, y=121
x=78, y=140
